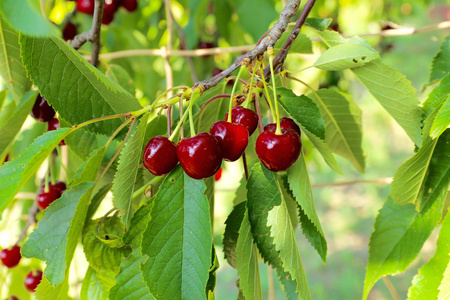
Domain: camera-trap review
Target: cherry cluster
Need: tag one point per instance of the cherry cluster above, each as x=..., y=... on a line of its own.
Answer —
x=43, y=112
x=109, y=9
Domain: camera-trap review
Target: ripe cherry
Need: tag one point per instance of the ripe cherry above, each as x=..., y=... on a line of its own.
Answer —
x=86, y=6
x=200, y=156
x=245, y=117
x=11, y=257
x=58, y=187
x=160, y=156
x=218, y=175
x=44, y=198
x=285, y=123
x=232, y=138
x=278, y=152
x=130, y=5
x=13, y=298
x=32, y=280
x=42, y=111
x=109, y=9
x=69, y=31
x=53, y=124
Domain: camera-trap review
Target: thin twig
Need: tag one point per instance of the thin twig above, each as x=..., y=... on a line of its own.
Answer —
x=391, y=288
x=386, y=180
x=244, y=161
x=31, y=219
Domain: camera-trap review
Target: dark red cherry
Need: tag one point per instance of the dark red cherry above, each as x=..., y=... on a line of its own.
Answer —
x=53, y=124
x=59, y=187
x=285, y=123
x=69, y=31
x=109, y=9
x=130, y=5
x=245, y=117
x=86, y=6
x=42, y=111
x=13, y=298
x=278, y=152
x=205, y=45
x=160, y=156
x=218, y=175
x=200, y=156
x=44, y=198
x=32, y=280
x=232, y=138
x=11, y=257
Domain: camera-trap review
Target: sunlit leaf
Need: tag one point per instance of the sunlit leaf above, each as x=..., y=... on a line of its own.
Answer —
x=440, y=66
x=345, y=56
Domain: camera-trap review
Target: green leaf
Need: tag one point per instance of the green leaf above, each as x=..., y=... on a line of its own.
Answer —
x=25, y=16
x=247, y=261
x=178, y=239
x=444, y=288
x=89, y=169
x=14, y=174
x=231, y=234
x=442, y=120
x=76, y=89
x=11, y=69
x=437, y=96
x=318, y=24
x=342, y=125
x=45, y=291
x=306, y=113
x=300, y=186
x=248, y=10
x=3, y=95
x=96, y=285
x=400, y=232
x=440, y=65
x=56, y=237
x=426, y=283
x=302, y=44
x=345, y=56
x=120, y=76
x=11, y=124
x=123, y=185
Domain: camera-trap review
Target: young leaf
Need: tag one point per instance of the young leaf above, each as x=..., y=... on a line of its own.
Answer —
x=123, y=185
x=247, y=261
x=342, y=125
x=88, y=171
x=444, y=288
x=178, y=239
x=345, y=56
x=76, y=89
x=11, y=124
x=440, y=65
x=442, y=120
x=437, y=96
x=96, y=285
x=301, y=189
x=231, y=234
x=45, y=291
x=14, y=174
x=400, y=232
x=318, y=24
x=426, y=283
x=11, y=69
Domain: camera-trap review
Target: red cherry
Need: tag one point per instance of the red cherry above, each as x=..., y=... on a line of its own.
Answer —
x=232, y=138
x=42, y=111
x=285, y=123
x=44, y=198
x=53, y=124
x=200, y=156
x=32, y=280
x=205, y=45
x=278, y=152
x=130, y=5
x=109, y=9
x=59, y=187
x=69, y=31
x=86, y=6
x=11, y=257
x=245, y=117
x=160, y=156
x=218, y=175
x=13, y=298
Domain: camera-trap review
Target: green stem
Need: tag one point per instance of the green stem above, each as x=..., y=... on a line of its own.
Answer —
x=230, y=106
x=175, y=131
x=47, y=187
x=169, y=101
x=266, y=90
x=277, y=118
x=144, y=187
x=249, y=95
x=191, y=121
x=194, y=96
x=51, y=168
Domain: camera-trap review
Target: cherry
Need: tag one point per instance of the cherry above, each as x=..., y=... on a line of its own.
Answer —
x=32, y=280
x=232, y=138
x=205, y=45
x=245, y=117
x=109, y=9
x=13, y=298
x=86, y=6
x=59, y=187
x=53, y=124
x=69, y=31
x=278, y=152
x=218, y=175
x=11, y=257
x=42, y=111
x=200, y=156
x=285, y=123
x=130, y=5
x=44, y=198
x=160, y=156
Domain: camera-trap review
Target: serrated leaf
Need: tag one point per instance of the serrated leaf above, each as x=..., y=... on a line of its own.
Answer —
x=444, y=288
x=56, y=237
x=231, y=234
x=426, y=283
x=11, y=124
x=123, y=184
x=247, y=261
x=442, y=120
x=120, y=76
x=345, y=56
x=14, y=174
x=342, y=125
x=302, y=44
x=440, y=65
x=45, y=291
x=76, y=89
x=96, y=285
x=437, y=96
x=178, y=239
x=16, y=11
x=400, y=232
x=212, y=279
x=318, y=24
x=300, y=186
x=11, y=69
x=307, y=115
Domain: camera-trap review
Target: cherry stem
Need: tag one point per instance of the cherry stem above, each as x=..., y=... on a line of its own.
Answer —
x=249, y=95
x=104, y=218
x=194, y=96
x=180, y=108
x=169, y=119
x=46, y=187
x=269, y=101
x=305, y=84
x=191, y=120
x=144, y=187
x=230, y=106
x=244, y=160
x=212, y=99
x=51, y=168
x=277, y=116
x=258, y=113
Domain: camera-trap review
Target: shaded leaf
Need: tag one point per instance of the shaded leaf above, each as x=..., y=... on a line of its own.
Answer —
x=120, y=76
x=437, y=96
x=345, y=56
x=442, y=120
x=440, y=65
x=247, y=10
x=231, y=234
x=96, y=285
